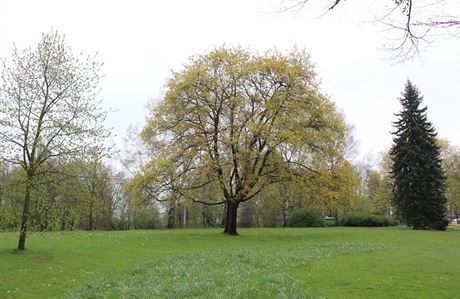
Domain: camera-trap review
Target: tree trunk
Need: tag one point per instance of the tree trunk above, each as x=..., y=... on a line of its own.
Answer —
x=232, y=212
x=185, y=217
x=171, y=217
x=90, y=217
x=285, y=213
x=204, y=215
x=224, y=217
x=25, y=217
x=257, y=215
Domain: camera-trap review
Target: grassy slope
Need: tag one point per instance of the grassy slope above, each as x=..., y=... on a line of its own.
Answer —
x=400, y=263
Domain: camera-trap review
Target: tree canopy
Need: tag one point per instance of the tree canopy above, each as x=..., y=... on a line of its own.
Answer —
x=236, y=122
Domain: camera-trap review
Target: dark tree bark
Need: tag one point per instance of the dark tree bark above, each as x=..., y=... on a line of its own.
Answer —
x=171, y=217
x=232, y=212
x=25, y=217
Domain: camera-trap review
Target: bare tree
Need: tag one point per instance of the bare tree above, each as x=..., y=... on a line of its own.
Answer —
x=415, y=23
x=48, y=111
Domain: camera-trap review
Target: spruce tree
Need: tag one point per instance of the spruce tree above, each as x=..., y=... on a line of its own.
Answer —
x=419, y=180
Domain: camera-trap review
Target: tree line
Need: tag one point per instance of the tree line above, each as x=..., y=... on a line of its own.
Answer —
x=92, y=195
x=237, y=139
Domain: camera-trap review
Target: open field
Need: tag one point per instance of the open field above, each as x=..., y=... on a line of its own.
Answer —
x=334, y=262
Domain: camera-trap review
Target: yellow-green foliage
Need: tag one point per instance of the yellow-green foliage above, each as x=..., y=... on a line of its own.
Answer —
x=451, y=164
x=238, y=122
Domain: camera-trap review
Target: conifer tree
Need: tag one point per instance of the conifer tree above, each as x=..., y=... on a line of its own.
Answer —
x=419, y=181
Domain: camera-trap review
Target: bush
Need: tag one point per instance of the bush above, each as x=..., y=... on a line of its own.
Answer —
x=147, y=218
x=306, y=218
x=368, y=220
x=330, y=221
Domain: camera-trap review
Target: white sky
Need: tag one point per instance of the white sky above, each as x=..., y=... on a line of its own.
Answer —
x=140, y=42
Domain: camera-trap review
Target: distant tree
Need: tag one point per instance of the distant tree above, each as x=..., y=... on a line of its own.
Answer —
x=238, y=122
x=419, y=180
x=379, y=187
x=363, y=169
x=451, y=163
x=11, y=192
x=48, y=112
x=418, y=22
x=336, y=190
x=98, y=205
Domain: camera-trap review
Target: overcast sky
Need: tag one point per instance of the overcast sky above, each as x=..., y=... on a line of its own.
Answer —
x=140, y=42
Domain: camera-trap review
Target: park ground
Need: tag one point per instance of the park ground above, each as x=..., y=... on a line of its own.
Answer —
x=334, y=262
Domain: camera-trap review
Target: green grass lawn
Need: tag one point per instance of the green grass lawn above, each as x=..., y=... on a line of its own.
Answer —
x=334, y=262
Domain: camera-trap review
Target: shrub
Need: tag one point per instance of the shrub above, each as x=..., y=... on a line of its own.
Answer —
x=306, y=218
x=369, y=220
x=330, y=221
x=147, y=218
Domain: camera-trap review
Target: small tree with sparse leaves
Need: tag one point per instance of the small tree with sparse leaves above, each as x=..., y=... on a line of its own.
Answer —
x=48, y=112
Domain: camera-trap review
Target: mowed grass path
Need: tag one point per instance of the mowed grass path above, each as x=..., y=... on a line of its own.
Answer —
x=332, y=262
